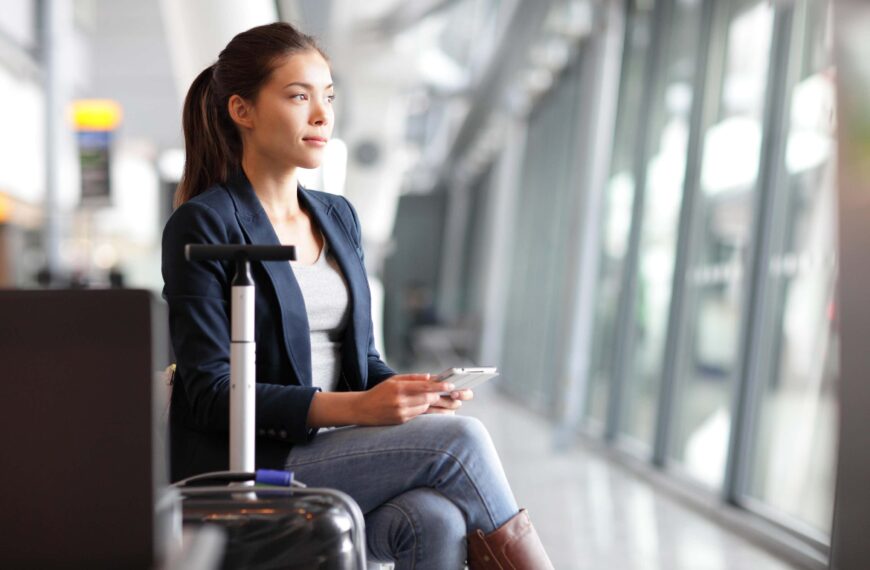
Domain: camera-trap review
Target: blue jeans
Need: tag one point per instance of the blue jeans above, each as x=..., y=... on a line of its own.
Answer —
x=422, y=485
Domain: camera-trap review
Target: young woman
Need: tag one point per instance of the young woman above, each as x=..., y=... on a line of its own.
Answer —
x=430, y=482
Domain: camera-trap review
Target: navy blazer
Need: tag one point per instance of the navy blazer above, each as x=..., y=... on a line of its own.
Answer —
x=198, y=295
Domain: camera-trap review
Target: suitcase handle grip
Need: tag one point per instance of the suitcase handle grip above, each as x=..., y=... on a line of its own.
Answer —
x=274, y=477
x=262, y=476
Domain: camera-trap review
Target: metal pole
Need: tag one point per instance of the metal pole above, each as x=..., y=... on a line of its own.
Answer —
x=50, y=33
x=243, y=373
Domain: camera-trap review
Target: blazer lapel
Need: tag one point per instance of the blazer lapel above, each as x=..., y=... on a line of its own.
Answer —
x=294, y=319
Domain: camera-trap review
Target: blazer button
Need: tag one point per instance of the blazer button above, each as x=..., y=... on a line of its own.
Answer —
x=283, y=434
x=272, y=432
x=261, y=431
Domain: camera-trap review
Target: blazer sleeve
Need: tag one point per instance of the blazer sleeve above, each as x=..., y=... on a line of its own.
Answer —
x=198, y=297
x=378, y=371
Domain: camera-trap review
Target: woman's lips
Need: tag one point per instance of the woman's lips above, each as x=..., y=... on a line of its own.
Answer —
x=315, y=141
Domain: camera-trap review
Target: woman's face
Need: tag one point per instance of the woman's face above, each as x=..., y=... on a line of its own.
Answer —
x=291, y=119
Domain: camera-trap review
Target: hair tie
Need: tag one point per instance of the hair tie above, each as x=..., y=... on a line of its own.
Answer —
x=212, y=68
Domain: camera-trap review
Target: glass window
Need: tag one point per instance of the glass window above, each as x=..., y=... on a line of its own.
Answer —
x=722, y=245
x=793, y=460
x=618, y=202
x=665, y=170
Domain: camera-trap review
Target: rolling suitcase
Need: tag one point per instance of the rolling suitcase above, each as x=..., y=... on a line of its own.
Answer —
x=294, y=527
x=279, y=523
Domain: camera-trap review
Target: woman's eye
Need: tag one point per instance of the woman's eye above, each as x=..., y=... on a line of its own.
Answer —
x=330, y=98
x=300, y=97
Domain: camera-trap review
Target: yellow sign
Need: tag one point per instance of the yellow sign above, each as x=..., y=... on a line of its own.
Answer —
x=5, y=208
x=96, y=114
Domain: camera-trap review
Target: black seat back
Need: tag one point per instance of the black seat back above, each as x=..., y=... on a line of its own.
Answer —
x=80, y=463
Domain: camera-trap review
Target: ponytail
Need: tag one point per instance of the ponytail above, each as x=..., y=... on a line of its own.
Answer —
x=211, y=142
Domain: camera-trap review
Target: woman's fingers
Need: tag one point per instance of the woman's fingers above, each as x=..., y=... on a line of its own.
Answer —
x=462, y=395
x=411, y=377
x=425, y=386
x=408, y=395
x=420, y=400
x=412, y=412
x=436, y=410
x=413, y=399
x=414, y=377
x=426, y=383
x=447, y=402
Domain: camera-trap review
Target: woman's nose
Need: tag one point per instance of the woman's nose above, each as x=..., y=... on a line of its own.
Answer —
x=319, y=114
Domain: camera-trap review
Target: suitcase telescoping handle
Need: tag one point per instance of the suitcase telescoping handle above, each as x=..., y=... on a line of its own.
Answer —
x=242, y=392
x=242, y=346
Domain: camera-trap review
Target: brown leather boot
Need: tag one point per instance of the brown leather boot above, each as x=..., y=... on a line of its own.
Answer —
x=512, y=546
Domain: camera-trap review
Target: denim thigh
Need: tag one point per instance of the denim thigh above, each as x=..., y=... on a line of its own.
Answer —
x=451, y=454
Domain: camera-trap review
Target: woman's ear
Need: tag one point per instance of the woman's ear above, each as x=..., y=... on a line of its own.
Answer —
x=240, y=111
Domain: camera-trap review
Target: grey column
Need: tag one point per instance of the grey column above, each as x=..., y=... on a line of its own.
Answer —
x=54, y=28
x=849, y=544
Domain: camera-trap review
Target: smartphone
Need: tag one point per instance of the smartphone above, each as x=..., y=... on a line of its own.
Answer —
x=463, y=378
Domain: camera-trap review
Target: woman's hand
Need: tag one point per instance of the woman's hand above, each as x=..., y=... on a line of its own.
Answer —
x=449, y=404
x=399, y=399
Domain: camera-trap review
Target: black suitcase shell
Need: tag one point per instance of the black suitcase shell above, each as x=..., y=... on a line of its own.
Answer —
x=277, y=529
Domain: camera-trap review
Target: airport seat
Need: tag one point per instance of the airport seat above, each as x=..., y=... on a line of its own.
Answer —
x=81, y=472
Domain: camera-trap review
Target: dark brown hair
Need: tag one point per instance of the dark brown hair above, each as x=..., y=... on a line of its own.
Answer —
x=212, y=144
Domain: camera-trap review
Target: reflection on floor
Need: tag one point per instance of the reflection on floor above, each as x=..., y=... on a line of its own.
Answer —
x=595, y=515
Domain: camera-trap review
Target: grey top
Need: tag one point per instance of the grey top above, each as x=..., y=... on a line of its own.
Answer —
x=327, y=304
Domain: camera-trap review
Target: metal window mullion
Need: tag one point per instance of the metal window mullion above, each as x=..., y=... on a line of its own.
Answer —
x=566, y=107
x=520, y=285
x=748, y=384
x=630, y=13
x=534, y=214
x=624, y=329
x=705, y=102
x=768, y=345
x=594, y=125
x=578, y=76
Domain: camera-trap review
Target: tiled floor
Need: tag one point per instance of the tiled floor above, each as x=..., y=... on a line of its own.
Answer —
x=592, y=514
